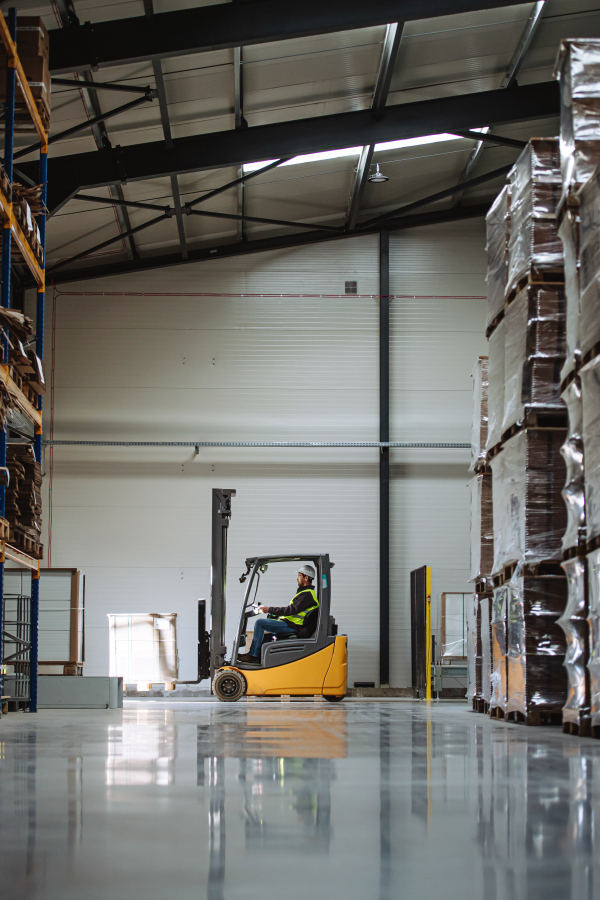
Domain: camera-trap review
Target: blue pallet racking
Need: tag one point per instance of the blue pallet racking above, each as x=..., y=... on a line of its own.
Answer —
x=13, y=235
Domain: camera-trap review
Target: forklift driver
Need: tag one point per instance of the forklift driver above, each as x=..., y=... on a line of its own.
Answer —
x=284, y=619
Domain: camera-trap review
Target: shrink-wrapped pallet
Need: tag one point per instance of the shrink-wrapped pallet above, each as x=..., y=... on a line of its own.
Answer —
x=498, y=680
x=574, y=623
x=589, y=271
x=572, y=451
x=529, y=512
x=593, y=564
x=534, y=353
x=479, y=426
x=497, y=236
x=534, y=247
x=486, y=606
x=536, y=646
x=471, y=605
x=482, y=526
x=578, y=70
x=590, y=395
x=570, y=235
x=495, y=385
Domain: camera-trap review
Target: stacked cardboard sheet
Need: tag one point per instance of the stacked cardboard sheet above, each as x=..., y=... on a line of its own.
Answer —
x=536, y=646
x=529, y=513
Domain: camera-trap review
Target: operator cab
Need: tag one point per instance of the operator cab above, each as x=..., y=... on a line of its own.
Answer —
x=270, y=581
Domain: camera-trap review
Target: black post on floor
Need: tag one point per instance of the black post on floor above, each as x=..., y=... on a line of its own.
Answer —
x=384, y=458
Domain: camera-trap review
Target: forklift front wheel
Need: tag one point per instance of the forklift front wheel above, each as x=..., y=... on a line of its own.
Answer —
x=229, y=685
x=332, y=699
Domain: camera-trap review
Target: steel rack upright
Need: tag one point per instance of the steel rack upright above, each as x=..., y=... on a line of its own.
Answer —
x=13, y=235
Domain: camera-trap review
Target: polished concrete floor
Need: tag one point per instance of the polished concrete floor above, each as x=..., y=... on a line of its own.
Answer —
x=359, y=800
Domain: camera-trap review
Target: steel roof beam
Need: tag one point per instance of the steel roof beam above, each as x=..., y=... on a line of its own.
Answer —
x=509, y=80
x=279, y=242
x=89, y=96
x=387, y=63
x=197, y=30
x=69, y=174
x=166, y=126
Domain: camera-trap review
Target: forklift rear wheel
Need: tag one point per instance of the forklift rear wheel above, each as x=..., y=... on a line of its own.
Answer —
x=332, y=699
x=229, y=686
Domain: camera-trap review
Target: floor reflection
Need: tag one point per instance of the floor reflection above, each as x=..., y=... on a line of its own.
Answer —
x=372, y=801
x=286, y=766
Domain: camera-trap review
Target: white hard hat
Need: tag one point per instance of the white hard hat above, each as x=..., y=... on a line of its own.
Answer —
x=307, y=570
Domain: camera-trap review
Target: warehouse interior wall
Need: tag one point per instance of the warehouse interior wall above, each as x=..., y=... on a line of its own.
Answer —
x=437, y=331
x=264, y=347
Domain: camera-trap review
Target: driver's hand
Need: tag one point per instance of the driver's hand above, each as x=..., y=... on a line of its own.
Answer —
x=264, y=609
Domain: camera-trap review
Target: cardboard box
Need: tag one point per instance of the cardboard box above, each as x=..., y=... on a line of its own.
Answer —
x=37, y=74
x=32, y=37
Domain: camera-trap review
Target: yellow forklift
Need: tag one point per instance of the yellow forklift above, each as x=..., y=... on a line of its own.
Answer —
x=313, y=662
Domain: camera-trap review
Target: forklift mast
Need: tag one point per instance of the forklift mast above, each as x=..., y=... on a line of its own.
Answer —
x=221, y=514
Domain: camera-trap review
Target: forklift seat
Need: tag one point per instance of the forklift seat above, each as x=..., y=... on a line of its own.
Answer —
x=307, y=630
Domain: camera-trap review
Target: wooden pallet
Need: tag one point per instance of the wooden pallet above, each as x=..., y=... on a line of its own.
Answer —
x=579, y=550
x=492, y=453
x=570, y=378
x=23, y=121
x=494, y=324
x=578, y=729
x=591, y=354
x=4, y=530
x=481, y=467
x=528, y=570
x=27, y=544
x=592, y=544
x=546, y=419
x=496, y=713
x=535, y=278
x=484, y=585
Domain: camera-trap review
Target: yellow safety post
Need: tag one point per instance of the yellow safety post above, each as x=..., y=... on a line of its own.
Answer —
x=428, y=631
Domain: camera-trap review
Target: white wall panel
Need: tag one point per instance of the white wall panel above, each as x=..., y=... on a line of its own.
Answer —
x=437, y=332
x=171, y=367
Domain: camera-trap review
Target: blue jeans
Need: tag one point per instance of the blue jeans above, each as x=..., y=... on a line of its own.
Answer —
x=271, y=626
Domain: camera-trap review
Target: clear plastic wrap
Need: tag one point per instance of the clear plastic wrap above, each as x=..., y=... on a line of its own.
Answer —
x=593, y=665
x=477, y=648
x=471, y=627
x=499, y=683
x=482, y=526
x=529, y=512
x=589, y=271
x=485, y=609
x=575, y=626
x=534, y=352
x=536, y=646
x=578, y=70
x=572, y=452
x=534, y=245
x=590, y=396
x=479, y=427
x=497, y=232
x=496, y=385
x=569, y=232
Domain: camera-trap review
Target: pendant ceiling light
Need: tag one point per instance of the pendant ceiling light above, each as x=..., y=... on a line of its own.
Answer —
x=378, y=177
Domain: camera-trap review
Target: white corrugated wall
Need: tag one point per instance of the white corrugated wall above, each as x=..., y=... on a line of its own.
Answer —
x=130, y=366
x=155, y=357
x=437, y=332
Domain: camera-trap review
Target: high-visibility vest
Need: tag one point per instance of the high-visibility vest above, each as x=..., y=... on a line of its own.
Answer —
x=299, y=619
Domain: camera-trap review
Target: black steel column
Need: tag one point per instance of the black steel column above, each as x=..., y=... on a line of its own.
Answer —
x=384, y=458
